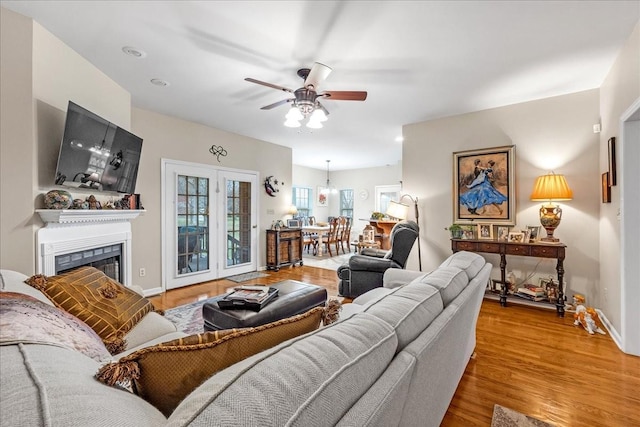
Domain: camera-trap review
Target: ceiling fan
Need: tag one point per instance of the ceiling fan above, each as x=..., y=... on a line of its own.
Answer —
x=306, y=99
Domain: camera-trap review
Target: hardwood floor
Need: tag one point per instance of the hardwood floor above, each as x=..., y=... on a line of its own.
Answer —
x=527, y=359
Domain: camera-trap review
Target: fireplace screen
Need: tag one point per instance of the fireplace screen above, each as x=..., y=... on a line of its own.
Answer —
x=105, y=259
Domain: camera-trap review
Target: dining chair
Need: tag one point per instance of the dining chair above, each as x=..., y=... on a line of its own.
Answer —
x=345, y=234
x=331, y=237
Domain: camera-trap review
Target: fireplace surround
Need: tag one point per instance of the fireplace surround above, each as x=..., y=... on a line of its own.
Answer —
x=86, y=236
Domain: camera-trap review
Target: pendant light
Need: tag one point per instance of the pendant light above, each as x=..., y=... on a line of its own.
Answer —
x=329, y=189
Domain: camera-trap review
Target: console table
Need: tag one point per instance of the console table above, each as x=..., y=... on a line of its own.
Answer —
x=538, y=250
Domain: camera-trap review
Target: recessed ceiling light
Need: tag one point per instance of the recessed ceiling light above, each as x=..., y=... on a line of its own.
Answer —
x=134, y=52
x=160, y=82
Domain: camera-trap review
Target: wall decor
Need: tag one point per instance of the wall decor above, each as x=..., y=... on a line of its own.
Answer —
x=502, y=232
x=321, y=197
x=612, y=161
x=606, y=189
x=516, y=237
x=534, y=233
x=218, y=151
x=484, y=185
x=271, y=187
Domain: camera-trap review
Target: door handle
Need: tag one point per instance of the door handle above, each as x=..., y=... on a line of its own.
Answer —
x=255, y=226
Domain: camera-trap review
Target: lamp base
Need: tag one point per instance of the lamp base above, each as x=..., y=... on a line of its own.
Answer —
x=550, y=217
x=550, y=240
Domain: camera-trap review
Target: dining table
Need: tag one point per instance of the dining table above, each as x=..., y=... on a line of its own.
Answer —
x=319, y=230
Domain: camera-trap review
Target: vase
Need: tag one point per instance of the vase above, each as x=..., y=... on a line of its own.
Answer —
x=58, y=199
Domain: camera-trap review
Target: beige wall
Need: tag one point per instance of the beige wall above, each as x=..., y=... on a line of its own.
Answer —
x=549, y=134
x=618, y=92
x=171, y=138
x=17, y=154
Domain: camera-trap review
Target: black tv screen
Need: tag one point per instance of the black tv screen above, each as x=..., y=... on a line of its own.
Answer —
x=97, y=154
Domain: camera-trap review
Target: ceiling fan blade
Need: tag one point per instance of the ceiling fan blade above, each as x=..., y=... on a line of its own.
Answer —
x=277, y=104
x=320, y=106
x=345, y=95
x=249, y=79
x=319, y=72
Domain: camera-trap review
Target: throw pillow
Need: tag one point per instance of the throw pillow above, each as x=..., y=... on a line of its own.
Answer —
x=105, y=305
x=24, y=319
x=166, y=373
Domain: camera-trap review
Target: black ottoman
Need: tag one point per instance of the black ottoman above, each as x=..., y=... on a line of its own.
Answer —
x=293, y=298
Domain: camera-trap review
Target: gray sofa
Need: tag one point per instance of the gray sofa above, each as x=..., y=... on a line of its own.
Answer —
x=394, y=359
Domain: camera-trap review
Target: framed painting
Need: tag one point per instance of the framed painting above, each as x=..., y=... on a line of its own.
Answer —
x=321, y=197
x=606, y=188
x=612, y=161
x=484, y=185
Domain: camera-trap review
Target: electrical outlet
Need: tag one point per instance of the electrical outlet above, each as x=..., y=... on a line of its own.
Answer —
x=606, y=292
x=271, y=212
x=143, y=272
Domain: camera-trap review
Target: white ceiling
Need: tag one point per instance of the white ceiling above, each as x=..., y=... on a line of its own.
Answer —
x=418, y=60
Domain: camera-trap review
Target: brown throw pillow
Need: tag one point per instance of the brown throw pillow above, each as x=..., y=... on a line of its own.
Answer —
x=166, y=373
x=105, y=305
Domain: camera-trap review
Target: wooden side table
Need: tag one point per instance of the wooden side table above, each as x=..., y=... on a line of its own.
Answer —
x=537, y=250
x=359, y=245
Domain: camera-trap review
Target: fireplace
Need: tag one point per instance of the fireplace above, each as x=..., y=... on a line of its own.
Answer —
x=74, y=238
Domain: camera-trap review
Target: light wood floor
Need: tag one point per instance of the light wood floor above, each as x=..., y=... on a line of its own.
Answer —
x=526, y=359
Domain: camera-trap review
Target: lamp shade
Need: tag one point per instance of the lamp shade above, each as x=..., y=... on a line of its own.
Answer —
x=397, y=210
x=551, y=187
x=293, y=210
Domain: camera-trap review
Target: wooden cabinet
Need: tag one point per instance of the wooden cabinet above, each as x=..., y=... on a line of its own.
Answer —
x=284, y=247
x=538, y=250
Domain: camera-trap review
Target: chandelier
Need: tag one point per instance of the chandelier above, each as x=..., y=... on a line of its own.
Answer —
x=328, y=189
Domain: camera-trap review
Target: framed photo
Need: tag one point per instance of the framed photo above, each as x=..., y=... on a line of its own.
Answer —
x=485, y=230
x=321, y=198
x=516, y=237
x=606, y=189
x=468, y=232
x=293, y=223
x=502, y=232
x=484, y=186
x=612, y=161
x=534, y=233
x=550, y=287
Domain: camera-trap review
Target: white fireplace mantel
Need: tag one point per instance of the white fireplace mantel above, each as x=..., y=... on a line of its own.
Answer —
x=69, y=216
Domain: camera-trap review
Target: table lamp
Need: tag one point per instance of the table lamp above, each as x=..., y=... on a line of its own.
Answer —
x=549, y=188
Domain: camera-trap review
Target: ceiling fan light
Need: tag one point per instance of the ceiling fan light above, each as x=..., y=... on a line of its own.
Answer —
x=318, y=115
x=290, y=123
x=314, y=124
x=294, y=114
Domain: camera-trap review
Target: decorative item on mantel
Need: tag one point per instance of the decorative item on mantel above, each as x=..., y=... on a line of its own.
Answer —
x=58, y=199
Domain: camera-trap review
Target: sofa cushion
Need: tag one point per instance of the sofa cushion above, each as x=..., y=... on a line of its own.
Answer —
x=311, y=380
x=13, y=281
x=470, y=262
x=152, y=326
x=409, y=310
x=450, y=281
x=44, y=385
x=102, y=303
x=165, y=373
x=24, y=319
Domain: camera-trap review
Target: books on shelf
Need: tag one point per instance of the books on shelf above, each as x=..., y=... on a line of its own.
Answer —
x=529, y=297
x=534, y=291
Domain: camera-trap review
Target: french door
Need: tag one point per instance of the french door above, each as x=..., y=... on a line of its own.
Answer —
x=209, y=223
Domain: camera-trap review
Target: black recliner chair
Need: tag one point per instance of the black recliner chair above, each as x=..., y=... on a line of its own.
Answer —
x=365, y=271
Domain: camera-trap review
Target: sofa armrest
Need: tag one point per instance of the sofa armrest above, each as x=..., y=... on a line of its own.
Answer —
x=395, y=277
x=149, y=328
x=370, y=264
x=373, y=252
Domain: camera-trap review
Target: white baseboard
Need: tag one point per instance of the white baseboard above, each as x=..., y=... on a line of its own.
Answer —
x=609, y=327
x=153, y=291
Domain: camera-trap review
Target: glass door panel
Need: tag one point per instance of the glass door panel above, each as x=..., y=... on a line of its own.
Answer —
x=192, y=219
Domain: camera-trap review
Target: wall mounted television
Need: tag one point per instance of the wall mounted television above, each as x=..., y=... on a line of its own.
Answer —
x=97, y=154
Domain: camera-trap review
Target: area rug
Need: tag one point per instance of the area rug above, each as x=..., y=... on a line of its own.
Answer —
x=187, y=318
x=246, y=276
x=505, y=417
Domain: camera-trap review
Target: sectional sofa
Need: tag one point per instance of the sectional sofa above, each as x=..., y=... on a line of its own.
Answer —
x=394, y=358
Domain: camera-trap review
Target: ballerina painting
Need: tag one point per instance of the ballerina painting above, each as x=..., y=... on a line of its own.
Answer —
x=483, y=185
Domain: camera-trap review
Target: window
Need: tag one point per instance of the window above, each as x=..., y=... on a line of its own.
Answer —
x=301, y=199
x=346, y=203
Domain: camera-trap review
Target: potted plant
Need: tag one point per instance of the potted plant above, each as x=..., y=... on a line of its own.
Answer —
x=455, y=230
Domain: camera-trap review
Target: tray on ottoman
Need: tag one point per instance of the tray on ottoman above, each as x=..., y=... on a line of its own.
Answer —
x=293, y=298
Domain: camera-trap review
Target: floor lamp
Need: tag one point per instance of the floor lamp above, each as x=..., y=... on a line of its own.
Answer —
x=400, y=210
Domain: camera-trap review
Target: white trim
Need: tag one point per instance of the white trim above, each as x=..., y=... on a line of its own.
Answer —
x=629, y=233
x=69, y=216
x=610, y=328
x=153, y=291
